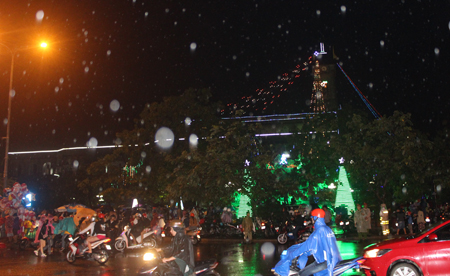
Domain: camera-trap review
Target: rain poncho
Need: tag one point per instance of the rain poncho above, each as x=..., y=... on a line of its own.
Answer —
x=321, y=244
x=66, y=225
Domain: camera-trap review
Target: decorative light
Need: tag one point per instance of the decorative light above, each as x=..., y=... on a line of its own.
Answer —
x=135, y=203
x=283, y=160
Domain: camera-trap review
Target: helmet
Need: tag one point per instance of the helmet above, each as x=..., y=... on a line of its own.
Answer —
x=192, y=215
x=318, y=213
x=101, y=215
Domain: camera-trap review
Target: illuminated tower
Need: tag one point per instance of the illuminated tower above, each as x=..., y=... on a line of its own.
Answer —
x=344, y=192
x=323, y=96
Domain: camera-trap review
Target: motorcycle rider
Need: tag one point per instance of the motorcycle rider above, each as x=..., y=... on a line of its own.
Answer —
x=180, y=249
x=137, y=228
x=321, y=244
x=95, y=231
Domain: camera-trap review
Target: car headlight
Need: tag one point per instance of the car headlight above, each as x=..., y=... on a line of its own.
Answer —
x=149, y=256
x=374, y=253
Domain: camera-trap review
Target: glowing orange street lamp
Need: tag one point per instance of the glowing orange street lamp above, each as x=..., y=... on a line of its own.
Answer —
x=11, y=94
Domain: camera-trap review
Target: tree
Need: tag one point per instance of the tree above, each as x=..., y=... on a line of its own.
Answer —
x=138, y=168
x=387, y=159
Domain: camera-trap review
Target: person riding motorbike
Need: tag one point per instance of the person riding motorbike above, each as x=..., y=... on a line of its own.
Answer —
x=137, y=228
x=321, y=244
x=180, y=249
x=95, y=231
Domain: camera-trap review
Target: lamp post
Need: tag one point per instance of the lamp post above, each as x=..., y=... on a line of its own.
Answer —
x=10, y=95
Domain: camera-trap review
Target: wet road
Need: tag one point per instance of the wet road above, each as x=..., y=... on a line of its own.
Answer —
x=234, y=258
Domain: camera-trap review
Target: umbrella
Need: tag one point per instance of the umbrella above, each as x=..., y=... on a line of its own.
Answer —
x=71, y=208
x=83, y=212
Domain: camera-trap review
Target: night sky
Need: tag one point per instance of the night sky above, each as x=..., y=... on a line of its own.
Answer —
x=126, y=53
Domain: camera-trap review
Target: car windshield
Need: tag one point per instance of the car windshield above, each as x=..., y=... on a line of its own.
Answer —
x=431, y=226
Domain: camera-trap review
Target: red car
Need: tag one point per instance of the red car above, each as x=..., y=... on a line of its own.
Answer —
x=428, y=253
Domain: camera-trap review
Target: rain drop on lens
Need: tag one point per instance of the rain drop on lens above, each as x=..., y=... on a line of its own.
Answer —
x=267, y=248
x=12, y=93
x=193, y=140
x=438, y=188
x=164, y=138
x=92, y=143
x=75, y=164
x=404, y=190
x=193, y=46
x=148, y=169
x=114, y=105
x=188, y=121
x=143, y=154
x=39, y=15
x=343, y=9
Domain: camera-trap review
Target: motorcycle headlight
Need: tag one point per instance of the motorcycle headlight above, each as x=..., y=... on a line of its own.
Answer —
x=347, y=223
x=341, y=223
x=149, y=256
x=70, y=238
x=374, y=253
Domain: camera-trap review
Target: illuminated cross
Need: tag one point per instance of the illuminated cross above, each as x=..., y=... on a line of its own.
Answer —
x=342, y=160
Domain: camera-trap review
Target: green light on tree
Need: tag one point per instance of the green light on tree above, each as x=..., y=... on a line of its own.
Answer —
x=344, y=194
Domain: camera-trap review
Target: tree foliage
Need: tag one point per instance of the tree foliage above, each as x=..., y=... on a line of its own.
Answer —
x=387, y=159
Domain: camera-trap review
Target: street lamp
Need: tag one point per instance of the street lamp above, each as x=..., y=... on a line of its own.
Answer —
x=11, y=94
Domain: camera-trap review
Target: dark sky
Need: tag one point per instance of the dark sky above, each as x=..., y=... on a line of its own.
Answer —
x=136, y=52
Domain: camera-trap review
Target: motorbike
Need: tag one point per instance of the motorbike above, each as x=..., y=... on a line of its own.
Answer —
x=339, y=269
x=28, y=240
x=194, y=234
x=269, y=229
x=288, y=234
x=214, y=228
x=77, y=249
x=123, y=241
x=231, y=230
x=347, y=225
x=155, y=266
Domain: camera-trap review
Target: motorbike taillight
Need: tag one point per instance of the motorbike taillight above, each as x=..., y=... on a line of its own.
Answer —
x=214, y=265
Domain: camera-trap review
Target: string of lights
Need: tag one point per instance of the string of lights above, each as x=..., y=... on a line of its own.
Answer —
x=361, y=95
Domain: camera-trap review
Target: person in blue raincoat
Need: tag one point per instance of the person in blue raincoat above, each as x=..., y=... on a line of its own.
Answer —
x=321, y=244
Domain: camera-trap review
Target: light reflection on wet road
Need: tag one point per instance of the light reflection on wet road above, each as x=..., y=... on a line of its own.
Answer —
x=234, y=258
